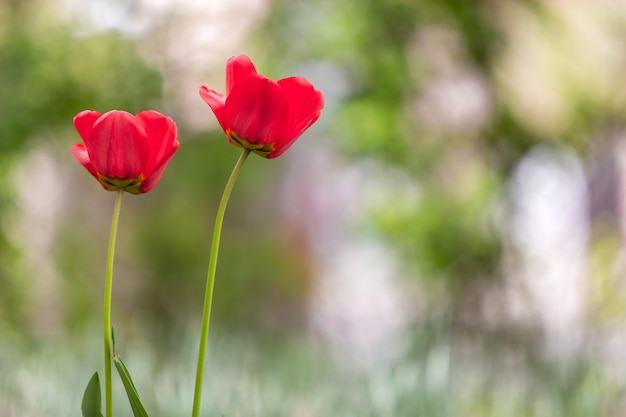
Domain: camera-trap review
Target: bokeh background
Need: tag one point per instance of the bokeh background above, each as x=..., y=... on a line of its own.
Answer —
x=447, y=240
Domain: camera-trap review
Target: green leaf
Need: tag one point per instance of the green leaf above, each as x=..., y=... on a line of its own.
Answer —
x=129, y=386
x=92, y=398
x=131, y=391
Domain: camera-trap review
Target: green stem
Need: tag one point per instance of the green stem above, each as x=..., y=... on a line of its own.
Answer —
x=208, y=296
x=108, y=285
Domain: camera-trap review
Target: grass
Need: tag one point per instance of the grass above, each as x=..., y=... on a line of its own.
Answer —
x=299, y=378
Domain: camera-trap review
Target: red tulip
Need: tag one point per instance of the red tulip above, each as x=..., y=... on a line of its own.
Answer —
x=260, y=114
x=123, y=151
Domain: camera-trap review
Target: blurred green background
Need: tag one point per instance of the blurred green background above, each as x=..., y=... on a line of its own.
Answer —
x=447, y=240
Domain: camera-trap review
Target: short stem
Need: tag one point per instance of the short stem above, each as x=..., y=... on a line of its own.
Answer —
x=208, y=296
x=108, y=286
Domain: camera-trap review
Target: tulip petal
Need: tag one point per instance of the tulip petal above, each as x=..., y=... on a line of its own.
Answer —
x=156, y=174
x=79, y=151
x=237, y=67
x=217, y=102
x=118, y=146
x=257, y=110
x=84, y=121
x=305, y=105
x=161, y=133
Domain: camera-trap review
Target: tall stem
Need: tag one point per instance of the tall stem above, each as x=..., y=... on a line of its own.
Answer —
x=108, y=286
x=208, y=296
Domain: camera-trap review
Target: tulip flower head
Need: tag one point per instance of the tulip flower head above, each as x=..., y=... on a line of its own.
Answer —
x=125, y=151
x=263, y=115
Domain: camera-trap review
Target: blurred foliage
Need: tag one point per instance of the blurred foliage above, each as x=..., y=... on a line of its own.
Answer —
x=394, y=54
x=290, y=379
x=48, y=74
x=251, y=253
x=407, y=64
x=452, y=94
x=448, y=234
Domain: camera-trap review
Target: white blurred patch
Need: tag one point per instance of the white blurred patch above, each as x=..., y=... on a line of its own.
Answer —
x=40, y=202
x=359, y=302
x=454, y=97
x=455, y=103
x=356, y=304
x=548, y=268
